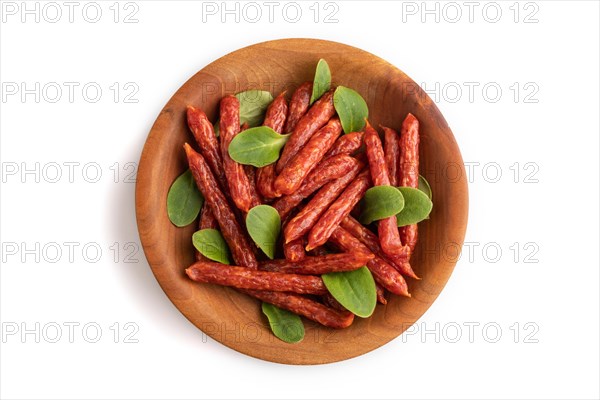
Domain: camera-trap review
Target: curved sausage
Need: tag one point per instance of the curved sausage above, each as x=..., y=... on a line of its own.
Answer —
x=368, y=238
x=275, y=118
x=318, y=265
x=409, y=170
x=384, y=274
x=232, y=232
x=317, y=116
x=296, y=170
x=346, y=144
x=320, y=233
x=204, y=134
x=389, y=237
x=245, y=278
x=391, y=149
x=328, y=169
x=303, y=222
x=306, y=307
x=229, y=125
x=294, y=250
x=298, y=106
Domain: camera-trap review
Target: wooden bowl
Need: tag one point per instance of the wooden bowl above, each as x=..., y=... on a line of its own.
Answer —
x=235, y=319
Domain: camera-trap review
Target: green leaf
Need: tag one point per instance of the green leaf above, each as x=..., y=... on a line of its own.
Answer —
x=322, y=81
x=263, y=224
x=253, y=104
x=424, y=187
x=381, y=202
x=286, y=325
x=355, y=290
x=184, y=200
x=351, y=108
x=210, y=243
x=417, y=206
x=258, y=146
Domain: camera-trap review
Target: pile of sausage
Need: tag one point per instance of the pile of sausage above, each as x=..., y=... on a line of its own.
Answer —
x=315, y=185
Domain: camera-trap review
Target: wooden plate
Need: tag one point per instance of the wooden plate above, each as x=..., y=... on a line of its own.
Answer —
x=235, y=319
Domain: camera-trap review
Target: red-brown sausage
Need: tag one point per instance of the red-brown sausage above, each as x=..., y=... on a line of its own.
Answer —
x=303, y=222
x=297, y=169
x=330, y=301
x=380, y=294
x=370, y=240
x=254, y=195
x=409, y=170
x=328, y=169
x=245, y=278
x=232, y=232
x=275, y=118
x=320, y=233
x=204, y=134
x=319, y=264
x=294, y=250
x=387, y=227
x=306, y=307
x=391, y=148
x=317, y=116
x=346, y=144
x=384, y=274
x=229, y=125
x=207, y=219
x=298, y=106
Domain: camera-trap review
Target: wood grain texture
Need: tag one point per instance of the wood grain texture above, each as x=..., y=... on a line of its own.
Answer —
x=235, y=319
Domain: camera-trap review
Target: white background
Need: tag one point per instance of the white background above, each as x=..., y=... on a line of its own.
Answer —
x=543, y=297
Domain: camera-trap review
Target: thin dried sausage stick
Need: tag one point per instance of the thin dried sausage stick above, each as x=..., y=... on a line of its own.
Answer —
x=251, y=174
x=328, y=169
x=229, y=125
x=294, y=250
x=409, y=170
x=380, y=293
x=320, y=233
x=297, y=169
x=370, y=240
x=318, y=265
x=391, y=149
x=245, y=278
x=389, y=238
x=232, y=232
x=298, y=106
x=265, y=178
x=384, y=274
x=346, y=144
x=330, y=301
x=317, y=116
x=304, y=221
x=207, y=219
x=254, y=195
x=306, y=307
x=275, y=118
x=204, y=134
